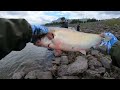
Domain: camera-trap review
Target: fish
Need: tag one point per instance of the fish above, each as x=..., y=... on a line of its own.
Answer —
x=63, y=39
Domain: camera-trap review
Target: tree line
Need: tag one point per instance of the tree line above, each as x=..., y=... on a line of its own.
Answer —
x=74, y=21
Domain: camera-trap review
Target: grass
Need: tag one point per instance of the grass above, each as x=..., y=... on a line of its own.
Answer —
x=109, y=23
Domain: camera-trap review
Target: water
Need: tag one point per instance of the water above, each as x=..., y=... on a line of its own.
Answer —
x=30, y=58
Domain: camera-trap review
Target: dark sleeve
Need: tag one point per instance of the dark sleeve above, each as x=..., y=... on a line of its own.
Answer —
x=14, y=34
x=115, y=54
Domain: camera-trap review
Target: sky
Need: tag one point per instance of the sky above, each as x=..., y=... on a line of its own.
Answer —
x=42, y=17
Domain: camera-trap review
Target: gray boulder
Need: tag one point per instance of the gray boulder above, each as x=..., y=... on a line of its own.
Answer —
x=100, y=70
x=95, y=52
x=62, y=70
x=18, y=75
x=79, y=66
x=64, y=60
x=56, y=61
x=37, y=74
x=106, y=62
x=94, y=63
x=91, y=74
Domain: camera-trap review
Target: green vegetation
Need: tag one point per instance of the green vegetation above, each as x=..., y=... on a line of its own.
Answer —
x=74, y=21
x=52, y=24
x=108, y=23
x=112, y=22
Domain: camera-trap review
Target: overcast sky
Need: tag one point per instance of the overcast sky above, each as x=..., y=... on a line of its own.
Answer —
x=42, y=17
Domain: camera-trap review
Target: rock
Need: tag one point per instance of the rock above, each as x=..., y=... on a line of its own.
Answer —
x=108, y=78
x=56, y=60
x=90, y=57
x=94, y=52
x=18, y=75
x=100, y=70
x=62, y=70
x=92, y=67
x=106, y=62
x=115, y=72
x=64, y=60
x=68, y=77
x=36, y=74
x=54, y=70
x=103, y=49
x=94, y=63
x=106, y=75
x=72, y=56
x=91, y=74
x=94, y=74
x=79, y=66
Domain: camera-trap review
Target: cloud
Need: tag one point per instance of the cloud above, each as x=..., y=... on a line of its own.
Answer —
x=42, y=17
x=111, y=12
x=33, y=17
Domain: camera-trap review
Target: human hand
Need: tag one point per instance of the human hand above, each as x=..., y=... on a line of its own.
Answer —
x=38, y=31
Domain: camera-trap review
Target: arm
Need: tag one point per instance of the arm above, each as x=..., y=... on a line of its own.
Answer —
x=14, y=34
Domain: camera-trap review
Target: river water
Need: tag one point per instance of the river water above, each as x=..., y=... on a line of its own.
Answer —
x=30, y=58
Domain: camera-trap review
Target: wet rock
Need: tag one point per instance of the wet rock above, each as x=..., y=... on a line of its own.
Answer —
x=62, y=70
x=79, y=66
x=68, y=77
x=106, y=62
x=18, y=75
x=64, y=60
x=36, y=74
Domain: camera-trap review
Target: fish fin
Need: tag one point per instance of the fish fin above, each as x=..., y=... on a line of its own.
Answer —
x=83, y=52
